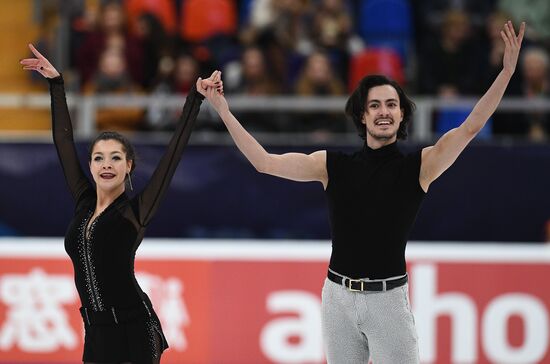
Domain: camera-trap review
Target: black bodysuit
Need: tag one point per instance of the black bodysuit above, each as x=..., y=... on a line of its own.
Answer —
x=103, y=260
x=374, y=196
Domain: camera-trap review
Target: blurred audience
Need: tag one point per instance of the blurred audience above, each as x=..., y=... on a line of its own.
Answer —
x=110, y=33
x=165, y=11
x=203, y=19
x=504, y=122
x=252, y=76
x=210, y=27
x=282, y=28
x=112, y=77
x=179, y=79
x=49, y=19
x=332, y=32
x=258, y=31
x=536, y=13
x=156, y=45
x=318, y=79
x=494, y=46
x=535, y=72
x=449, y=66
x=430, y=14
x=332, y=25
x=302, y=47
x=292, y=25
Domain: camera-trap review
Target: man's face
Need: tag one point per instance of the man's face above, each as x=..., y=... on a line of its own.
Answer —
x=383, y=113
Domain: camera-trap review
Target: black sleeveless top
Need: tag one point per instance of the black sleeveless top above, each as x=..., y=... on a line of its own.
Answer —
x=103, y=261
x=373, y=196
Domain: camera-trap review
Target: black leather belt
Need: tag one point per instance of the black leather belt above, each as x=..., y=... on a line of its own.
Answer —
x=358, y=285
x=113, y=315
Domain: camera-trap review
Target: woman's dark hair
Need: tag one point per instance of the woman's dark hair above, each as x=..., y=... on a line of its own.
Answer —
x=127, y=148
x=355, y=106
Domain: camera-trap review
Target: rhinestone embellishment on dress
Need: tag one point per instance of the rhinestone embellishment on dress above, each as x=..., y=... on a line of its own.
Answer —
x=85, y=253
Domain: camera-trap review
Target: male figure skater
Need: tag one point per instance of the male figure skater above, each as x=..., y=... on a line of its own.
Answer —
x=373, y=196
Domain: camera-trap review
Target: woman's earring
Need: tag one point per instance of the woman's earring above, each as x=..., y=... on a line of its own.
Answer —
x=130, y=181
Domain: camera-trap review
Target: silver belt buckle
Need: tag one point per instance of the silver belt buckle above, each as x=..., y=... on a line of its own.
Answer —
x=348, y=286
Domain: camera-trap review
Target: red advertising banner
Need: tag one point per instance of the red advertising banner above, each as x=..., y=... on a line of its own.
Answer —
x=229, y=302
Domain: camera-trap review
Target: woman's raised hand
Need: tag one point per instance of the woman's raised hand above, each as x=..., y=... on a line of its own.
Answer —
x=39, y=64
x=215, y=95
x=212, y=82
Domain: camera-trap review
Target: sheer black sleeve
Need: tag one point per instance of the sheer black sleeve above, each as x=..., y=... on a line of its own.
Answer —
x=152, y=194
x=62, y=130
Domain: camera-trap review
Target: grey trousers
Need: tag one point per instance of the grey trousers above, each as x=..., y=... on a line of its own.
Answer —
x=362, y=325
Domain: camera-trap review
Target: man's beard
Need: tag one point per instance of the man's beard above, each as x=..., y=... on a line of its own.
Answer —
x=381, y=135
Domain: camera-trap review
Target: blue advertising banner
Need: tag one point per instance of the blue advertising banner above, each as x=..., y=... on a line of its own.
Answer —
x=491, y=193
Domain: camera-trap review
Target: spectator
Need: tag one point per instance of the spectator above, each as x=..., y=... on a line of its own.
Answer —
x=318, y=79
x=111, y=32
x=532, y=82
x=536, y=13
x=49, y=26
x=291, y=25
x=185, y=72
x=535, y=72
x=430, y=14
x=332, y=31
x=331, y=25
x=283, y=29
x=449, y=66
x=494, y=47
x=112, y=77
x=259, y=27
x=156, y=45
x=504, y=122
x=165, y=11
x=84, y=20
x=253, y=77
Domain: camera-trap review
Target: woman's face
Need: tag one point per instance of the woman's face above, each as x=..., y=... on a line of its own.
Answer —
x=253, y=63
x=318, y=69
x=108, y=165
x=113, y=18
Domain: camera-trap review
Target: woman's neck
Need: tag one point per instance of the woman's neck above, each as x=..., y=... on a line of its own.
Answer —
x=106, y=197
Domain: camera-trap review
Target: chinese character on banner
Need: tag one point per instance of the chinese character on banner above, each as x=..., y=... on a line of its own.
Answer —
x=167, y=294
x=35, y=318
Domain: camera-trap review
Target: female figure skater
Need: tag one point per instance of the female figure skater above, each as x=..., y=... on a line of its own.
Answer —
x=108, y=226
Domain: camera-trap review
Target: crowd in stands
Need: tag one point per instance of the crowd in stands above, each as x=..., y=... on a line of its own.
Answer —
x=443, y=48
